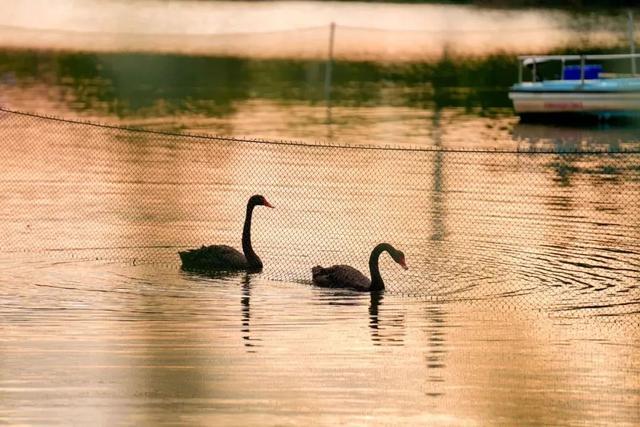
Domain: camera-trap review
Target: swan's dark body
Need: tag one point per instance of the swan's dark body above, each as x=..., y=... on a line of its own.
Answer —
x=214, y=257
x=223, y=257
x=340, y=276
x=345, y=276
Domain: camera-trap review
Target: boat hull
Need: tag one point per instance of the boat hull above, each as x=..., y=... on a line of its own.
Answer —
x=575, y=102
x=602, y=98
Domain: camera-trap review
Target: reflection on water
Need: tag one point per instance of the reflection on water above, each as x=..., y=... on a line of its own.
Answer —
x=574, y=138
x=388, y=330
x=407, y=32
x=447, y=104
x=475, y=225
x=156, y=86
x=249, y=342
x=435, y=329
x=524, y=267
x=159, y=347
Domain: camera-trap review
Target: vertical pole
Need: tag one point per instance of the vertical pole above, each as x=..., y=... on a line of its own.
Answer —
x=582, y=69
x=519, y=71
x=632, y=42
x=534, y=71
x=327, y=71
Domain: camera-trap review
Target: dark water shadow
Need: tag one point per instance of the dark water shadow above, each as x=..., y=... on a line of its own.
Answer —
x=249, y=342
x=436, y=348
x=388, y=330
x=245, y=280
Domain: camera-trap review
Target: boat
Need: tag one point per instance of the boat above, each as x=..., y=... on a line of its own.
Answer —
x=582, y=90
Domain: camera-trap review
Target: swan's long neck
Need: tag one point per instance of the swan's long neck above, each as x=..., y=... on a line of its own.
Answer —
x=376, y=280
x=252, y=258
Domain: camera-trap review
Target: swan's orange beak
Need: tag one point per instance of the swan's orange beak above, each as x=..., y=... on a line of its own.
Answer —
x=267, y=204
x=403, y=264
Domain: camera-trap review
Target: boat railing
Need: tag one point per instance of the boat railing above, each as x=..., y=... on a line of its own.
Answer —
x=534, y=60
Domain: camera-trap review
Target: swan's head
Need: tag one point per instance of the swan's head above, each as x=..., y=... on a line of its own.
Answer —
x=260, y=200
x=398, y=256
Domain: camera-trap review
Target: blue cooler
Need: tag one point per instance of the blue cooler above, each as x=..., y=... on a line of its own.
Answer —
x=572, y=72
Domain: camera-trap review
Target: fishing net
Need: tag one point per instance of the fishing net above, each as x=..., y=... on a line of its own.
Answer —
x=473, y=224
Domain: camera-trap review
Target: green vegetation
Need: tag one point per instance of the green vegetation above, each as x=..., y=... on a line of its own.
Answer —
x=125, y=84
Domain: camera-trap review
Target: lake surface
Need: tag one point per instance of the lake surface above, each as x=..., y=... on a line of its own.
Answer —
x=521, y=302
x=299, y=29
x=522, y=288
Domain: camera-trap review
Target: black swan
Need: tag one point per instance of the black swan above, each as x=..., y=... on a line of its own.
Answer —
x=222, y=257
x=344, y=276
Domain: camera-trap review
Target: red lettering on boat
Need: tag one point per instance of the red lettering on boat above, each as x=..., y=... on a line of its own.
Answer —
x=563, y=105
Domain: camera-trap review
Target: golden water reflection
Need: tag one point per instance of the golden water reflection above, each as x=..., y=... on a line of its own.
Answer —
x=177, y=351
x=525, y=268
x=392, y=32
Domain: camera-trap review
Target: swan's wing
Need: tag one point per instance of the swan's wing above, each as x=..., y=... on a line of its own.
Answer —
x=214, y=257
x=340, y=276
x=227, y=255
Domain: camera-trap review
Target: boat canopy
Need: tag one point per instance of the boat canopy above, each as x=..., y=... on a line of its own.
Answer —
x=531, y=60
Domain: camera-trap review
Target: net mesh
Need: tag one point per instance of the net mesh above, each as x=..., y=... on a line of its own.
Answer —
x=473, y=224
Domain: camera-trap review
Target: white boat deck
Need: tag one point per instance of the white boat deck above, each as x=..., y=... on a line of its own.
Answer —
x=607, y=94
